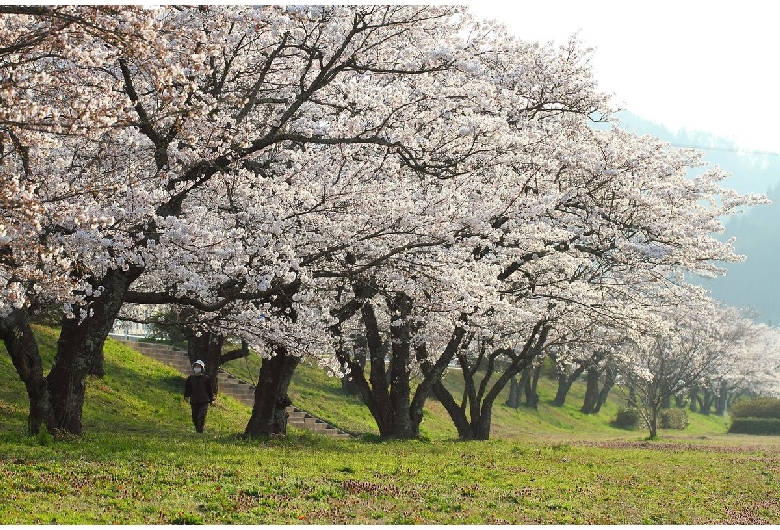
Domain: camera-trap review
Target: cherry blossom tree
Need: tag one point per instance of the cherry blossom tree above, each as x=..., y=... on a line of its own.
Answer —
x=688, y=344
x=39, y=117
x=455, y=225
x=181, y=103
x=747, y=362
x=616, y=212
x=285, y=172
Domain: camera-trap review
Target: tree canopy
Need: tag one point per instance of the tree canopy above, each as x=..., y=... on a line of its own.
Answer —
x=288, y=175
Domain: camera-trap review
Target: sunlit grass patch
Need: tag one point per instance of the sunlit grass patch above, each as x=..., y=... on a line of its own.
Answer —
x=140, y=462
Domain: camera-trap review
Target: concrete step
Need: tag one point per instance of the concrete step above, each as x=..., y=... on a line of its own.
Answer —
x=236, y=386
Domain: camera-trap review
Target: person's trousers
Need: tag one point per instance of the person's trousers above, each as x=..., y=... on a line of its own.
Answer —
x=199, y=415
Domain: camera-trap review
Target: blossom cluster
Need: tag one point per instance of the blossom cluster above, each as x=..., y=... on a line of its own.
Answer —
x=261, y=164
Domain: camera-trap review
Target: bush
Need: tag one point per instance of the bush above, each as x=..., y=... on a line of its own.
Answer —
x=673, y=419
x=770, y=426
x=627, y=418
x=763, y=407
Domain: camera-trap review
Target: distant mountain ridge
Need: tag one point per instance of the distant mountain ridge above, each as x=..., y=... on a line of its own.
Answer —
x=755, y=283
x=752, y=170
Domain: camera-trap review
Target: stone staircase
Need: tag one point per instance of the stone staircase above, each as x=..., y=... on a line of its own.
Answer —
x=232, y=386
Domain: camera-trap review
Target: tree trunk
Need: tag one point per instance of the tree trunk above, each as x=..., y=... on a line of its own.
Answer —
x=654, y=423
x=721, y=402
x=482, y=425
x=693, y=396
x=389, y=396
x=76, y=349
x=591, y=391
x=513, y=401
x=79, y=343
x=81, y=340
x=269, y=412
x=707, y=400
x=98, y=368
x=457, y=413
x=609, y=382
x=400, y=307
x=530, y=382
x=480, y=402
x=565, y=381
x=378, y=390
x=17, y=335
x=666, y=397
x=387, y=391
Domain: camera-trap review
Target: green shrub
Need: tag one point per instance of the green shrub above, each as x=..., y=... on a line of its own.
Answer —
x=770, y=426
x=762, y=407
x=673, y=419
x=627, y=418
x=44, y=438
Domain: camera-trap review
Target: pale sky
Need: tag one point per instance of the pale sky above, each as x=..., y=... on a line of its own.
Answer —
x=710, y=66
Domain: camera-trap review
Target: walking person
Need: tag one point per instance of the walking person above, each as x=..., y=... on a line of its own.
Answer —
x=198, y=392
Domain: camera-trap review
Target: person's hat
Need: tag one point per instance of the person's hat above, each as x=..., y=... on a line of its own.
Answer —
x=200, y=363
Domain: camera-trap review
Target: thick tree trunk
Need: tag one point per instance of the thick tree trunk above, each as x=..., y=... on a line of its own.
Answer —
x=591, y=391
x=379, y=389
x=79, y=343
x=17, y=335
x=269, y=413
x=565, y=382
x=694, y=397
x=98, y=368
x=388, y=395
x=483, y=423
x=456, y=412
x=76, y=349
x=400, y=307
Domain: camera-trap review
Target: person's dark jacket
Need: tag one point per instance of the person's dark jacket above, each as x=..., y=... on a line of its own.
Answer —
x=198, y=389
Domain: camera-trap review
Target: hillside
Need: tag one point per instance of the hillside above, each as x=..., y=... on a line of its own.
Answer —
x=140, y=462
x=139, y=394
x=322, y=396
x=754, y=283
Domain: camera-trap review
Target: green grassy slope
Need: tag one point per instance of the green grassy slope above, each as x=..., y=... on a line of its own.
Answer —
x=140, y=394
x=140, y=462
x=137, y=394
x=321, y=395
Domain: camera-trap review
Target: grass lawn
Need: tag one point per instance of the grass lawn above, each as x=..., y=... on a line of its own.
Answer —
x=140, y=462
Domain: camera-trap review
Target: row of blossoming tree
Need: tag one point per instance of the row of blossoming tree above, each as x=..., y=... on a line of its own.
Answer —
x=291, y=177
